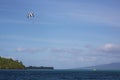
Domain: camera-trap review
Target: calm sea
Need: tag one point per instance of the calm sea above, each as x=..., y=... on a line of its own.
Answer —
x=58, y=75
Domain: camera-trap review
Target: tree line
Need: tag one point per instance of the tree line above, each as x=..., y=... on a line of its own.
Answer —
x=9, y=63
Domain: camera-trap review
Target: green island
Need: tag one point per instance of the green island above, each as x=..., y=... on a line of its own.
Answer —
x=9, y=63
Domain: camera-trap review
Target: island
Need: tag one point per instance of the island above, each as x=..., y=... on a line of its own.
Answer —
x=41, y=67
x=9, y=63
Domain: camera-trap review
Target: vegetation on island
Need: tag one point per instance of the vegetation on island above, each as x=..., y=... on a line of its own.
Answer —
x=41, y=67
x=9, y=63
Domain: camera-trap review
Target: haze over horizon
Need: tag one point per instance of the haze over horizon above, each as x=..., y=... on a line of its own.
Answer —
x=63, y=34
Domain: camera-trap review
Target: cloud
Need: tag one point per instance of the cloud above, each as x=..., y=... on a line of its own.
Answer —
x=110, y=48
x=51, y=50
x=66, y=50
x=20, y=49
x=30, y=50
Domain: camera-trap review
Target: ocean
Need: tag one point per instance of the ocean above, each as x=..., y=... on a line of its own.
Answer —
x=58, y=75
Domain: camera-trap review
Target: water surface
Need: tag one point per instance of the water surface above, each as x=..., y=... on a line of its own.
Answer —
x=58, y=75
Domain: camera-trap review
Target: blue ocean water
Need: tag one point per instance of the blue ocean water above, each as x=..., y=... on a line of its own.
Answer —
x=58, y=75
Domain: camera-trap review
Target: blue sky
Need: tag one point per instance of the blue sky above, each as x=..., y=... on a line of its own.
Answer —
x=63, y=33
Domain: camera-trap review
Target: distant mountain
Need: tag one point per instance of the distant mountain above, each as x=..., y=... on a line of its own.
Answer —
x=111, y=66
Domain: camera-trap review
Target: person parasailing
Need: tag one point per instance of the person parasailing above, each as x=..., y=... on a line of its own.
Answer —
x=30, y=14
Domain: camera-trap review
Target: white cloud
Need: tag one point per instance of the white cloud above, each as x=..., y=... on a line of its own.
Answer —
x=51, y=50
x=20, y=49
x=30, y=50
x=110, y=48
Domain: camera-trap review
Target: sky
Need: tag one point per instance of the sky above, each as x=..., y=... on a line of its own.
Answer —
x=64, y=34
